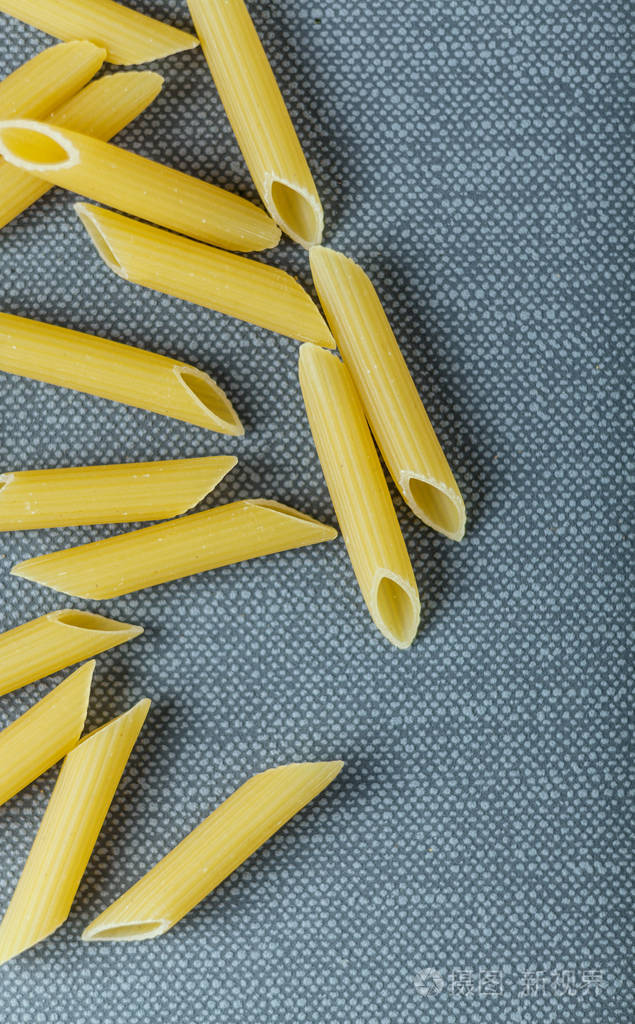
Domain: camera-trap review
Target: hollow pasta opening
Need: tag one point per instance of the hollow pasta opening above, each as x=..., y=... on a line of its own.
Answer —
x=297, y=213
x=127, y=932
x=98, y=239
x=211, y=397
x=397, y=611
x=40, y=148
x=435, y=507
x=5, y=480
x=87, y=620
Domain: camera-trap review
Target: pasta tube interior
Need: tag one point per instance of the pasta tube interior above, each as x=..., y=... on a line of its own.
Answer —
x=54, y=641
x=181, y=547
x=71, y=824
x=401, y=426
x=129, y=36
x=45, y=733
x=132, y=492
x=210, y=853
x=360, y=495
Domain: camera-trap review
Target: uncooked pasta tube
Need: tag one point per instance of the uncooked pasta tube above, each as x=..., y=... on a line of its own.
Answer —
x=132, y=183
x=259, y=117
x=54, y=641
x=129, y=36
x=34, y=499
x=72, y=821
x=232, y=284
x=109, y=369
x=360, y=495
x=48, y=79
x=181, y=547
x=401, y=426
x=212, y=851
x=44, y=733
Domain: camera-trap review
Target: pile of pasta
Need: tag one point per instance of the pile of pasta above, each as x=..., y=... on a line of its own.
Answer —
x=185, y=237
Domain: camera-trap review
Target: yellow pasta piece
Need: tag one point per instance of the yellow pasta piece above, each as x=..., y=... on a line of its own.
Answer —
x=101, y=109
x=136, y=185
x=182, y=547
x=259, y=117
x=129, y=36
x=209, y=854
x=48, y=79
x=249, y=290
x=45, y=733
x=112, y=370
x=132, y=492
x=54, y=641
x=401, y=426
x=360, y=495
x=72, y=821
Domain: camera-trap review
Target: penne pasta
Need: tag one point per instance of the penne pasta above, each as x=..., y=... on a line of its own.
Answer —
x=133, y=492
x=209, y=854
x=259, y=117
x=54, y=641
x=72, y=821
x=45, y=733
x=360, y=495
x=112, y=370
x=231, y=284
x=101, y=109
x=136, y=185
x=129, y=36
x=182, y=547
x=48, y=79
x=394, y=409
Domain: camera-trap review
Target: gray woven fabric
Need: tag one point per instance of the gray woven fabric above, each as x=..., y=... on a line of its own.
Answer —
x=469, y=156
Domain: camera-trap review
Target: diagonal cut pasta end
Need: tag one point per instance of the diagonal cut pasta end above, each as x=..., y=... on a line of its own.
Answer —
x=396, y=608
x=205, y=474
x=76, y=688
x=36, y=147
x=129, y=724
x=211, y=400
x=90, y=622
x=436, y=504
x=5, y=480
x=297, y=210
x=182, y=41
x=131, y=932
x=301, y=524
x=104, y=246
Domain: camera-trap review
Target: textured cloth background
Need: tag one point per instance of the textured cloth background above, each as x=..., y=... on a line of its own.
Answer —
x=469, y=156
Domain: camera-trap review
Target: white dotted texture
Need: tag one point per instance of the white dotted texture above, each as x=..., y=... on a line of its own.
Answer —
x=469, y=155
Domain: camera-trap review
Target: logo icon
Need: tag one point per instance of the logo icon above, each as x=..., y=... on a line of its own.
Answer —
x=428, y=982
